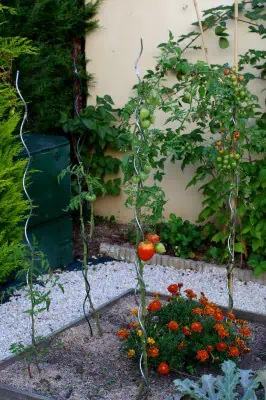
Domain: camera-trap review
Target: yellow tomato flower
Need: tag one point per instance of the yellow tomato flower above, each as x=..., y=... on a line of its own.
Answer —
x=150, y=340
x=139, y=332
x=131, y=353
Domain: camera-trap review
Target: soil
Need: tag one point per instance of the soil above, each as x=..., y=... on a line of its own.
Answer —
x=80, y=367
x=104, y=232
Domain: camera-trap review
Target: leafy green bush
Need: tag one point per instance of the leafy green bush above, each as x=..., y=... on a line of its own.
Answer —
x=97, y=126
x=186, y=331
x=226, y=386
x=181, y=237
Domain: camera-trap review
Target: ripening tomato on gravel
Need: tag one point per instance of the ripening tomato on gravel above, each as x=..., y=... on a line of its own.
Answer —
x=146, y=251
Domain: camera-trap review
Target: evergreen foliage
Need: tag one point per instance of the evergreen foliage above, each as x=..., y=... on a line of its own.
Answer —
x=52, y=25
x=13, y=206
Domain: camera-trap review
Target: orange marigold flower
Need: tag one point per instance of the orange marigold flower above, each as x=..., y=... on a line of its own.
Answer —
x=163, y=368
x=139, y=332
x=134, y=311
x=209, y=348
x=246, y=350
x=197, y=311
x=245, y=332
x=153, y=352
x=123, y=334
x=223, y=333
x=131, y=353
x=169, y=299
x=181, y=345
x=150, y=340
x=208, y=310
x=202, y=355
x=154, y=306
x=173, y=325
x=196, y=327
x=157, y=295
x=173, y=288
x=186, y=331
x=221, y=346
x=218, y=327
x=190, y=294
x=133, y=325
x=233, y=351
x=239, y=342
x=203, y=300
x=231, y=315
x=218, y=316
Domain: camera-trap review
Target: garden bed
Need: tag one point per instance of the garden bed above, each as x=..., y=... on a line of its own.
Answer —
x=77, y=366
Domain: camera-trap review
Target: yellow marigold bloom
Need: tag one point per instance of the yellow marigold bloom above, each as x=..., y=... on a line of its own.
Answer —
x=139, y=332
x=150, y=340
x=131, y=353
x=134, y=311
x=156, y=295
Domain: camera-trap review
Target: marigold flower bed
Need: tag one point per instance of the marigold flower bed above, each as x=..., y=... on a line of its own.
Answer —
x=80, y=367
x=185, y=331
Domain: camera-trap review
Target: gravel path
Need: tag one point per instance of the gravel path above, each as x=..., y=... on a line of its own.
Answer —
x=109, y=280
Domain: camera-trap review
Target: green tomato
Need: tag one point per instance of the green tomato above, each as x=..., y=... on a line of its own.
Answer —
x=237, y=156
x=225, y=161
x=226, y=156
x=154, y=98
x=234, y=83
x=145, y=124
x=147, y=168
x=186, y=98
x=143, y=176
x=219, y=159
x=242, y=94
x=144, y=113
x=160, y=248
x=233, y=78
x=152, y=119
x=234, y=164
x=136, y=179
x=91, y=197
x=231, y=155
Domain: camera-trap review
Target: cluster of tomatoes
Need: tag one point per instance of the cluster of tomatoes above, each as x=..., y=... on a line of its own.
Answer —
x=146, y=118
x=228, y=159
x=150, y=246
x=237, y=82
x=143, y=175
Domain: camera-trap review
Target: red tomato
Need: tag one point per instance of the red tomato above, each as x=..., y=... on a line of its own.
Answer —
x=146, y=251
x=153, y=238
x=236, y=135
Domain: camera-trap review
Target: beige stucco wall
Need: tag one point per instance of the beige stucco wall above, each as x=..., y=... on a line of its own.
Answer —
x=112, y=50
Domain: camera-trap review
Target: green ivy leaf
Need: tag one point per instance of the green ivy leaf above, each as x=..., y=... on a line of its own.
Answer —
x=239, y=248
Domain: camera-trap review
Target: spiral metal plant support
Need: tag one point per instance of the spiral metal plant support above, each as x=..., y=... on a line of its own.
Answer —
x=27, y=195
x=139, y=268
x=77, y=151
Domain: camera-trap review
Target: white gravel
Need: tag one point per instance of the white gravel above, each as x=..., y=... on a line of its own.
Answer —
x=108, y=281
